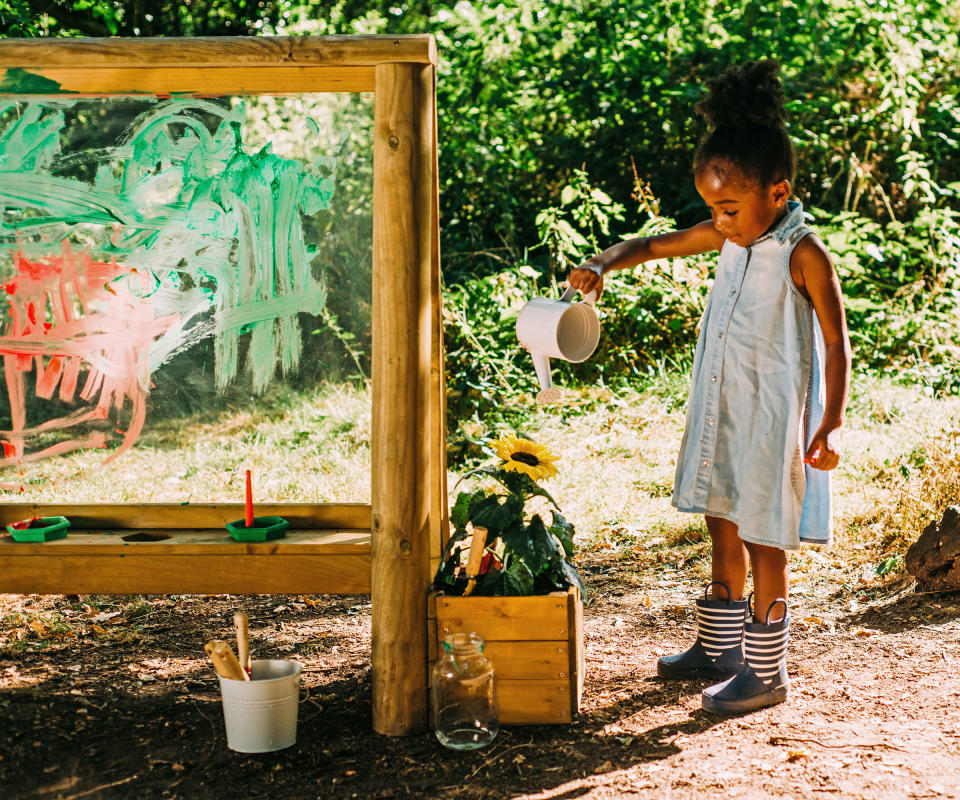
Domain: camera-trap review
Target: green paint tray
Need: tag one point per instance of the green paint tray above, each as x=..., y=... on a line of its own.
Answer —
x=39, y=529
x=264, y=529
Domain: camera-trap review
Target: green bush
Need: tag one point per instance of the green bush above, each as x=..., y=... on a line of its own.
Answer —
x=549, y=111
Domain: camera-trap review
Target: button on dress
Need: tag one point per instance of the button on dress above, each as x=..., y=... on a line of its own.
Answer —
x=756, y=398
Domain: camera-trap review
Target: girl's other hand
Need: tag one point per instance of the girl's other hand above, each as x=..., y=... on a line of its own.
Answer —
x=588, y=277
x=824, y=450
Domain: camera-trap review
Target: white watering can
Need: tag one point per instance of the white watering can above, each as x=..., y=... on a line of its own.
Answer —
x=558, y=329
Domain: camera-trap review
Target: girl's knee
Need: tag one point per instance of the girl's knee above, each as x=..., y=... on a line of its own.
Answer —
x=720, y=528
x=766, y=554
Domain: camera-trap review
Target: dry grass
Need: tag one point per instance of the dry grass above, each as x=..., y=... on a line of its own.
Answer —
x=301, y=447
x=900, y=469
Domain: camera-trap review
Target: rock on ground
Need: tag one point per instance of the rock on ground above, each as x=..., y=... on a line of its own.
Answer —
x=934, y=559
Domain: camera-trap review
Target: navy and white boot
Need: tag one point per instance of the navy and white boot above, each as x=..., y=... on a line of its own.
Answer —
x=763, y=680
x=718, y=650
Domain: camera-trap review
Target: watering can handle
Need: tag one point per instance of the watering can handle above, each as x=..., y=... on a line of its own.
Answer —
x=569, y=292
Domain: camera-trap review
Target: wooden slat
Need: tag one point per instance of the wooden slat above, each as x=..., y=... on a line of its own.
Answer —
x=212, y=51
x=530, y=660
x=429, y=187
x=540, y=660
x=431, y=644
x=577, y=649
x=205, y=81
x=179, y=542
x=190, y=574
x=191, y=515
x=505, y=618
x=533, y=702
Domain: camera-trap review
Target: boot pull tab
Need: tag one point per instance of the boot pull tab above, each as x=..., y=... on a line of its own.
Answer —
x=706, y=590
x=778, y=600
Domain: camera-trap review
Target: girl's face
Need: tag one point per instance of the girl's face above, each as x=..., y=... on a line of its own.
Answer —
x=742, y=209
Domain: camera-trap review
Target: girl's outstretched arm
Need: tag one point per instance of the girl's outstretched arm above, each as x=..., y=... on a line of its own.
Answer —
x=814, y=275
x=701, y=238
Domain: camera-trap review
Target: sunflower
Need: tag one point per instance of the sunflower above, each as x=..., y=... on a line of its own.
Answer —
x=522, y=455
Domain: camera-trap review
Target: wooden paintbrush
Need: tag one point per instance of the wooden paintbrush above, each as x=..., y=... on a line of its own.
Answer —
x=224, y=661
x=474, y=558
x=241, y=626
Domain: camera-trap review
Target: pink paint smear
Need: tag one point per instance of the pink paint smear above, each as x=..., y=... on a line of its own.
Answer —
x=69, y=315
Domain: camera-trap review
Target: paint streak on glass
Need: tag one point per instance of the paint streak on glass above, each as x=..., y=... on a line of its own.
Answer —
x=20, y=81
x=121, y=256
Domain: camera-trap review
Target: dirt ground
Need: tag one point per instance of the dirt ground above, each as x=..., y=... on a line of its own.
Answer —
x=110, y=697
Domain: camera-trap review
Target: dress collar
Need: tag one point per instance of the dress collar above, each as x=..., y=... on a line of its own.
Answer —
x=788, y=222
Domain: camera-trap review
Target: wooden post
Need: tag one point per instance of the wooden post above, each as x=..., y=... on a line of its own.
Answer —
x=403, y=431
x=439, y=524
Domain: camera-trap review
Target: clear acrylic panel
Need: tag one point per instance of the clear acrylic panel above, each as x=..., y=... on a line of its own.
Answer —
x=187, y=296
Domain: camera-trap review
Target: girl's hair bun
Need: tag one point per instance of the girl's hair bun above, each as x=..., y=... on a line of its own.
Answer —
x=747, y=131
x=745, y=95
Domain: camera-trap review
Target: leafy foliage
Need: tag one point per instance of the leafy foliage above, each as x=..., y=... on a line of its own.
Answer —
x=523, y=555
x=548, y=112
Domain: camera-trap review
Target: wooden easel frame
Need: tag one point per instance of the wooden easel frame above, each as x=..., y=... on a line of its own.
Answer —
x=388, y=548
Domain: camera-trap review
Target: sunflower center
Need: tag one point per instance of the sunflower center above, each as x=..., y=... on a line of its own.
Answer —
x=525, y=458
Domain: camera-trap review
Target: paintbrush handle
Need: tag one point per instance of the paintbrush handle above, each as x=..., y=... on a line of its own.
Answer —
x=241, y=624
x=474, y=557
x=224, y=661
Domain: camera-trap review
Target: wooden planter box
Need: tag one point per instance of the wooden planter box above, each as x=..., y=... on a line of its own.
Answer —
x=535, y=644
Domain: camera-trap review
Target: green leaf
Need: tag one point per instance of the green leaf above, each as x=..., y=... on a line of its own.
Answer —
x=517, y=543
x=460, y=513
x=450, y=562
x=600, y=196
x=489, y=513
x=565, y=532
x=572, y=577
x=517, y=579
x=543, y=545
x=490, y=585
x=458, y=536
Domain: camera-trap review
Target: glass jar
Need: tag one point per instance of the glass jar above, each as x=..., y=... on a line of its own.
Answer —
x=464, y=694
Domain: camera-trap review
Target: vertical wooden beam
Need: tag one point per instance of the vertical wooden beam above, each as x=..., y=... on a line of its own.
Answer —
x=430, y=188
x=401, y=429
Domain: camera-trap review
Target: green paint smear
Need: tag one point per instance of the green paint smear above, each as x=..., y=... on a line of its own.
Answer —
x=177, y=200
x=19, y=81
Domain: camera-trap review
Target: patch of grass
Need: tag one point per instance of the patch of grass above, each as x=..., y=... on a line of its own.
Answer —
x=306, y=446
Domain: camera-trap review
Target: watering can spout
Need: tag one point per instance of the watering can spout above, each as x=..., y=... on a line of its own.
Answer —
x=548, y=394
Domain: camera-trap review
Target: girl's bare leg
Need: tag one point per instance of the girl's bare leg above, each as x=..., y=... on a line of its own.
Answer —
x=729, y=561
x=770, y=580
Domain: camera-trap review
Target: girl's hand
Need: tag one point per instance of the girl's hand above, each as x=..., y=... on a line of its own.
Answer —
x=588, y=277
x=824, y=450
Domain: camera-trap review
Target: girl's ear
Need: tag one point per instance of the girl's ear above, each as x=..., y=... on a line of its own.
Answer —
x=780, y=192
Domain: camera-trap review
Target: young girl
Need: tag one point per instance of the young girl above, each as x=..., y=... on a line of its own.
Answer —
x=770, y=380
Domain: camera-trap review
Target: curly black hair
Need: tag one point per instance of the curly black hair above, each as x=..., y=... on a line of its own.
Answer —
x=746, y=115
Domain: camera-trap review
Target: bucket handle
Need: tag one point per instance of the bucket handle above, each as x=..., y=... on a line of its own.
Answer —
x=569, y=292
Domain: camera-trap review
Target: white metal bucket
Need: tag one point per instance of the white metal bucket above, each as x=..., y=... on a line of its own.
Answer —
x=261, y=714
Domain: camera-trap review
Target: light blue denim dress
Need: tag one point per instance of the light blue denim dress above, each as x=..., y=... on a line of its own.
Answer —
x=756, y=398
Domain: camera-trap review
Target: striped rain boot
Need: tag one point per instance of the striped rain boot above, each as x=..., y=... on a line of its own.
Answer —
x=718, y=650
x=763, y=680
